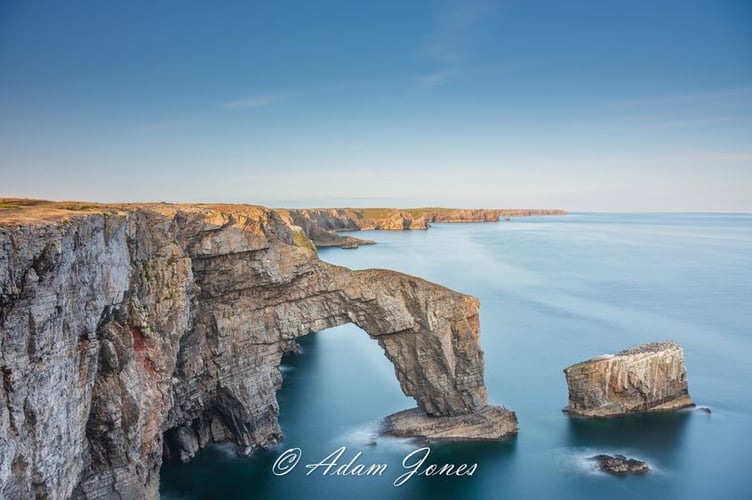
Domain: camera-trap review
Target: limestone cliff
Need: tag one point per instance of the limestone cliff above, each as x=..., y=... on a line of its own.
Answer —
x=129, y=331
x=322, y=224
x=651, y=377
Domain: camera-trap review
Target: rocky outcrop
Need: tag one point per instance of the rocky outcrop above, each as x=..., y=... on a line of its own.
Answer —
x=322, y=224
x=619, y=465
x=489, y=424
x=133, y=331
x=313, y=220
x=651, y=377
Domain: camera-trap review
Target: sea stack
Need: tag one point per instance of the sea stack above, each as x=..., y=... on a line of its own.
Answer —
x=648, y=378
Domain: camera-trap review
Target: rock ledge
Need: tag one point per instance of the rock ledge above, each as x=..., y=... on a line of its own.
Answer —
x=492, y=423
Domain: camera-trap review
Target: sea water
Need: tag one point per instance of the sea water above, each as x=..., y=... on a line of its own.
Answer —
x=553, y=291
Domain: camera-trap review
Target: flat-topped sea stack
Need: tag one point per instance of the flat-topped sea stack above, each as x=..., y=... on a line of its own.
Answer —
x=648, y=378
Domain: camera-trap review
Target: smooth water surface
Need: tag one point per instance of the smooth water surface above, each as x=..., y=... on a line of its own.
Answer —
x=553, y=291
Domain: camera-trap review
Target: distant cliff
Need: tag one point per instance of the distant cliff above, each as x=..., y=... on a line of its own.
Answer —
x=322, y=224
x=133, y=332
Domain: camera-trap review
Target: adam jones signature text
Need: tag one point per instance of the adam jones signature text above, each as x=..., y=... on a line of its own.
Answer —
x=335, y=465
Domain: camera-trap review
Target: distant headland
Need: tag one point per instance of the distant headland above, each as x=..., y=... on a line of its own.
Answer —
x=322, y=224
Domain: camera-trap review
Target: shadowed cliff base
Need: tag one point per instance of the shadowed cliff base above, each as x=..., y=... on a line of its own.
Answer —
x=133, y=330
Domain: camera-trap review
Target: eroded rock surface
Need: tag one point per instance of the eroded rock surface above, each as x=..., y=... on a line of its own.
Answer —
x=129, y=331
x=492, y=423
x=651, y=377
x=619, y=465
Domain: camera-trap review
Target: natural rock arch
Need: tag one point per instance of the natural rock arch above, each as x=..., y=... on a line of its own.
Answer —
x=428, y=332
x=149, y=328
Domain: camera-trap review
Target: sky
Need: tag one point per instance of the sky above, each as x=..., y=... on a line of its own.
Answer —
x=618, y=105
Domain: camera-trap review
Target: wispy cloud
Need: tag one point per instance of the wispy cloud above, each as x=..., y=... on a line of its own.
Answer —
x=436, y=78
x=447, y=47
x=257, y=101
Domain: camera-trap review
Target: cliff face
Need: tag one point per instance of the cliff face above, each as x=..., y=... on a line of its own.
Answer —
x=129, y=331
x=354, y=219
x=484, y=214
x=321, y=224
x=651, y=377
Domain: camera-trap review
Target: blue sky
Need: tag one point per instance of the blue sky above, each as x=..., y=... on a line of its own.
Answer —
x=592, y=105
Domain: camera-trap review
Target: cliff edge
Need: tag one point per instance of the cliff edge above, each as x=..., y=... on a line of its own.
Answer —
x=133, y=333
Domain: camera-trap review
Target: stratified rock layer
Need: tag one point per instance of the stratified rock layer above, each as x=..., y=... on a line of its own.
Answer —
x=492, y=423
x=651, y=377
x=129, y=331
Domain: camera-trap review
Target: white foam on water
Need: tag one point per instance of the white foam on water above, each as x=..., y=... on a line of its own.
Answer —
x=226, y=449
x=365, y=434
x=369, y=434
x=578, y=461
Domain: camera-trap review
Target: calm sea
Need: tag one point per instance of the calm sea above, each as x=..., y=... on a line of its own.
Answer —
x=553, y=291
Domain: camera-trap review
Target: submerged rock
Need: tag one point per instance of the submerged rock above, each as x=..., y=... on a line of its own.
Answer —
x=489, y=424
x=620, y=465
x=651, y=377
